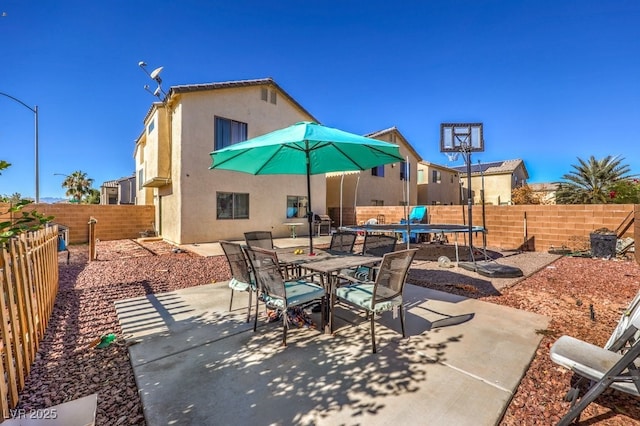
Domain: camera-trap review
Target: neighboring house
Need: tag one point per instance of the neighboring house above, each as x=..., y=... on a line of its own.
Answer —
x=546, y=192
x=498, y=178
x=381, y=186
x=438, y=184
x=120, y=191
x=195, y=204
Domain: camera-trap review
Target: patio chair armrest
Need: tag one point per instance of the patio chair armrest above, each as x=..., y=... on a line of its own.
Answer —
x=353, y=279
x=309, y=275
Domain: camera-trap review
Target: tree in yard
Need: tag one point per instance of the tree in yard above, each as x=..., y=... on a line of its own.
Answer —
x=78, y=185
x=19, y=220
x=524, y=195
x=13, y=198
x=589, y=181
x=93, y=197
x=625, y=191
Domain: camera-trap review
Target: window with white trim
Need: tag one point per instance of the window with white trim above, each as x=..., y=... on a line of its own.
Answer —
x=227, y=132
x=232, y=205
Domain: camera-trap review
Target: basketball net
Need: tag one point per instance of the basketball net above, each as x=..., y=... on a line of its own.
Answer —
x=452, y=156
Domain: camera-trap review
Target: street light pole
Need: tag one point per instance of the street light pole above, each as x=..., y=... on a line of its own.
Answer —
x=37, y=166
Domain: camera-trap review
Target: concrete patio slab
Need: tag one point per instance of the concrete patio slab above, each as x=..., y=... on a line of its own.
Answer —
x=197, y=363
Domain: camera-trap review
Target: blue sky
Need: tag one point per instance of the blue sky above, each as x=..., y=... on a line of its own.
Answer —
x=551, y=80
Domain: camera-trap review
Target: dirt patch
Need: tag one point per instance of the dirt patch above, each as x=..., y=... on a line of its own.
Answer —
x=429, y=273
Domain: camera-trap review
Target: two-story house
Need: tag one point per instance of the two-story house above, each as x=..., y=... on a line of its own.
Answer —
x=172, y=157
x=498, y=178
x=438, y=184
x=119, y=191
x=380, y=186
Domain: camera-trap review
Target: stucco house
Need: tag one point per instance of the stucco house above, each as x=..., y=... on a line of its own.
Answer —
x=195, y=204
x=438, y=184
x=546, y=192
x=498, y=178
x=381, y=186
x=119, y=191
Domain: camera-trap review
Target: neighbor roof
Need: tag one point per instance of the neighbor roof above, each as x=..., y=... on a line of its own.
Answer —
x=378, y=133
x=494, y=168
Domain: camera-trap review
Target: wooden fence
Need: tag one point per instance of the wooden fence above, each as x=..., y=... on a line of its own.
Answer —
x=29, y=278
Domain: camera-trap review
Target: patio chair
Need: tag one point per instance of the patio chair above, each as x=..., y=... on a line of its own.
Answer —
x=416, y=215
x=614, y=367
x=624, y=335
x=262, y=239
x=383, y=294
x=374, y=245
x=276, y=293
x=342, y=242
x=241, y=277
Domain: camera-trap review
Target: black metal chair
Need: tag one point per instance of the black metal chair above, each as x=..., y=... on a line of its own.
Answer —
x=374, y=245
x=383, y=294
x=276, y=293
x=262, y=239
x=241, y=277
x=343, y=242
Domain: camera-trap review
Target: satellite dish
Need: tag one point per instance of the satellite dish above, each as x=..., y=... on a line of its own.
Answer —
x=155, y=74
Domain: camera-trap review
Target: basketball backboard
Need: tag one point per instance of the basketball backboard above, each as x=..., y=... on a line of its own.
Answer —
x=461, y=137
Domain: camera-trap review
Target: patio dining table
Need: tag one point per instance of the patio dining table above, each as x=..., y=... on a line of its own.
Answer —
x=329, y=268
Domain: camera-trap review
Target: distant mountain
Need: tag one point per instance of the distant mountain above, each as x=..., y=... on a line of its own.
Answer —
x=52, y=200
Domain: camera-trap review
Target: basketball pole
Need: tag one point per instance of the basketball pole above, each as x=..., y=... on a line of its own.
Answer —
x=467, y=154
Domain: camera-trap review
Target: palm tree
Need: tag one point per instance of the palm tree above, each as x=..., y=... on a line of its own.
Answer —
x=588, y=183
x=78, y=185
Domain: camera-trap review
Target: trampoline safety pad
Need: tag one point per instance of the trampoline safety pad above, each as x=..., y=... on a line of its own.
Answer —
x=492, y=269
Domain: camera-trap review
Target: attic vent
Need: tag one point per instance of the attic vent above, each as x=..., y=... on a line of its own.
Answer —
x=264, y=95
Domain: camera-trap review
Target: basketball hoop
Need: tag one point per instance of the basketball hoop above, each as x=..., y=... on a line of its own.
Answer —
x=463, y=138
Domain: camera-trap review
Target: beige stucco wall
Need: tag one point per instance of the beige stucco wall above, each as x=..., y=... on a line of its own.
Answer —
x=497, y=187
x=446, y=192
x=187, y=207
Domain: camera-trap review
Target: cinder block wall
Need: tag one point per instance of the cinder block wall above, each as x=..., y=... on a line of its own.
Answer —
x=113, y=222
x=544, y=226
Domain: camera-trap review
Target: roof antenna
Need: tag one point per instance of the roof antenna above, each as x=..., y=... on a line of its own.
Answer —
x=155, y=76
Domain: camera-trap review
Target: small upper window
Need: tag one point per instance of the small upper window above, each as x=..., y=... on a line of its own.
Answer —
x=151, y=126
x=228, y=132
x=378, y=171
x=264, y=95
x=273, y=97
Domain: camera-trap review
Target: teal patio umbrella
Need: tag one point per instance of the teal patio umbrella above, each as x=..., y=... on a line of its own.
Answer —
x=305, y=148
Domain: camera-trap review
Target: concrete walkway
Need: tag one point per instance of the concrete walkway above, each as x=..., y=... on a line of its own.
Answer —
x=196, y=363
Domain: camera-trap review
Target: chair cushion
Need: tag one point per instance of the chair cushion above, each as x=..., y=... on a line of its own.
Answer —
x=362, y=295
x=587, y=360
x=298, y=293
x=239, y=285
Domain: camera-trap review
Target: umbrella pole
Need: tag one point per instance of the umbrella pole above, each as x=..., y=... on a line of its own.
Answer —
x=309, y=212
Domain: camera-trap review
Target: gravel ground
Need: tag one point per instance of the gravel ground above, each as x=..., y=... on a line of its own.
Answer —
x=568, y=290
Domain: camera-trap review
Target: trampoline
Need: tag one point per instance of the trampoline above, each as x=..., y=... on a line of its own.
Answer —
x=414, y=228
x=486, y=268
x=411, y=229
